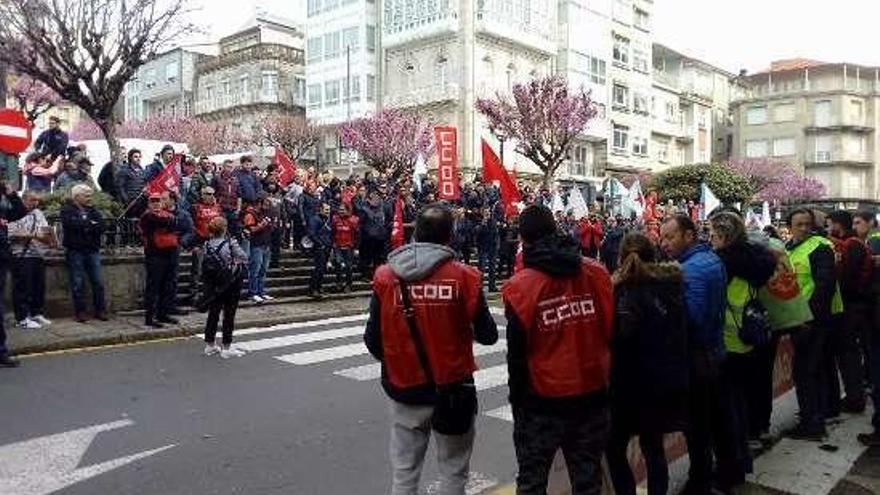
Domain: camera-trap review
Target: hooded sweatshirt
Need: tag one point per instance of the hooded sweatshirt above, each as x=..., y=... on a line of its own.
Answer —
x=414, y=262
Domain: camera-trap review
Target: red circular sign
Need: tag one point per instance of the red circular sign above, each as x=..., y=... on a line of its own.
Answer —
x=15, y=131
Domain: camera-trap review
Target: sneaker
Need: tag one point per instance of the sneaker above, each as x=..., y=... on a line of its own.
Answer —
x=42, y=320
x=802, y=433
x=28, y=324
x=267, y=298
x=257, y=299
x=231, y=352
x=169, y=320
x=211, y=349
x=7, y=361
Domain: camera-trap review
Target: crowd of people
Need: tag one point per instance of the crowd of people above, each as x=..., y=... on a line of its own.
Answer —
x=681, y=335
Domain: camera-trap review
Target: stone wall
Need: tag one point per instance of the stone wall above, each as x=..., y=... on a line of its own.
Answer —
x=123, y=276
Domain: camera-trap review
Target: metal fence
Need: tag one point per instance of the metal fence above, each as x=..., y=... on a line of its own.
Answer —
x=117, y=234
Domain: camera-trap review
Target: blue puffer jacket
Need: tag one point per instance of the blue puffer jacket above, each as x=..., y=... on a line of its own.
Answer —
x=248, y=186
x=705, y=295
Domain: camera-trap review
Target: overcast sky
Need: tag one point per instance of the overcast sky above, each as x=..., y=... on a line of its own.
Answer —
x=732, y=34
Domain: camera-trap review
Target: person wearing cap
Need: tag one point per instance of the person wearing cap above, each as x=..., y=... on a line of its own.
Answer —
x=53, y=141
x=161, y=245
x=259, y=226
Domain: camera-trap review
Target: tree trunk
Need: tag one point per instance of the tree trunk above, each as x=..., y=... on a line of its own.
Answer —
x=108, y=128
x=548, y=177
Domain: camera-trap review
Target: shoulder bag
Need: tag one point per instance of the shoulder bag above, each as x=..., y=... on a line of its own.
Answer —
x=456, y=406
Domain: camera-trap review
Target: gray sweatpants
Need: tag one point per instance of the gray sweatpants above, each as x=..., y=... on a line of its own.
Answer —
x=410, y=433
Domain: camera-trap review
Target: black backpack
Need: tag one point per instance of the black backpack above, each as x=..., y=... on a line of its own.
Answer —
x=216, y=271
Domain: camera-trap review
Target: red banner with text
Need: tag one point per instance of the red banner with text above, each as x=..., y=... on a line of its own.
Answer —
x=447, y=168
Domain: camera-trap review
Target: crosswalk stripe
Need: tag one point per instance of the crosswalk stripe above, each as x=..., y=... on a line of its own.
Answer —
x=373, y=371
x=491, y=377
x=504, y=412
x=301, y=325
x=322, y=355
x=300, y=338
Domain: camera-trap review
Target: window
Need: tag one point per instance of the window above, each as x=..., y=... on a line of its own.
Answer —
x=172, y=71
x=756, y=115
x=662, y=151
x=510, y=74
x=671, y=112
x=600, y=111
x=314, y=7
x=371, y=87
x=621, y=50
x=756, y=148
x=640, y=61
x=151, y=78
x=823, y=149
x=640, y=146
x=245, y=86
x=784, y=147
x=621, y=138
x=355, y=88
x=332, y=42
x=853, y=184
x=299, y=89
x=351, y=39
x=623, y=11
x=702, y=117
x=857, y=111
x=590, y=66
x=640, y=104
x=314, y=91
x=331, y=93
x=371, y=38
x=270, y=82
x=784, y=112
x=642, y=19
x=441, y=69
x=314, y=51
x=620, y=97
x=227, y=88
x=822, y=113
x=580, y=157
x=597, y=70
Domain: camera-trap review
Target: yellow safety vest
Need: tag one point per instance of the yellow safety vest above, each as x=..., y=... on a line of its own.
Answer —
x=800, y=260
x=738, y=296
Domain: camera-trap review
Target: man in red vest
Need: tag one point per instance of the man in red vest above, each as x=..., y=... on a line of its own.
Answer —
x=560, y=314
x=450, y=312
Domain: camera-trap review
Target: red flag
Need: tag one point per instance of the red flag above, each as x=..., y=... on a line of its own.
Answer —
x=494, y=171
x=286, y=167
x=397, y=236
x=168, y=179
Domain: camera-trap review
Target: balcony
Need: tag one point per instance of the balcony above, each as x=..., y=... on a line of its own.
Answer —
x=252, y=55
x=436, y=93
x=666, y=79
x=840, y=123
x=829, y=159
x=401, y=30
x=232, y=100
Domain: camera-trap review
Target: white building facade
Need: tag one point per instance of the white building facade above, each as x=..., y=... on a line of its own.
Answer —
x=440, y=56
x=163, y=86
x=342, y=49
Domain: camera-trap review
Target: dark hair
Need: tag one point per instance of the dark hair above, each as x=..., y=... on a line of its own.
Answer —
x=684, y=223
x=33, y=157
x=131, y=153
x=246, y=159
x=434, y=224
x=800, y=211
x=167, y=147
x=636, y=250
x=842, y=217
x=535, y=223
x=772, y=232
x=867, y=216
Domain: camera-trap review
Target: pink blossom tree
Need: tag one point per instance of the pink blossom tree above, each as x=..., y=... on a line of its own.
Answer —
x=390, y=141
x=202, y=138
x=777, y=181
x=543, y=117
x=32, y=97
x=294, y=134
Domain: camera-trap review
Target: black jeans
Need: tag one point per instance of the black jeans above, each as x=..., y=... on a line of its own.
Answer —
x=372, y=252
x=809, y=376
x=581, y=436
x=159, y=269
x=703, y=400
x=227, y=303
x=655, y=462
x=3, y=268
x=321, y=254
x=844, y=354
x=732, y=455
x=277, y=238
x=343, y=258
x=28, y=287
x=488, y=257
x=759, y=393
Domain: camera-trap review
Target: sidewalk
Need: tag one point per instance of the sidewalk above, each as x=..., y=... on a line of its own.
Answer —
x=128, y=328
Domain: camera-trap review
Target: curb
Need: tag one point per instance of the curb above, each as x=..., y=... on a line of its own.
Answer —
x=184, y=330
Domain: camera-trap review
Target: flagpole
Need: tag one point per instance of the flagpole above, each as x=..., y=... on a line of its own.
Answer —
x=128, y=208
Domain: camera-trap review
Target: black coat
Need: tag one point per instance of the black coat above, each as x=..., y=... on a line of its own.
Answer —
x=649, y=353
x=82, y=227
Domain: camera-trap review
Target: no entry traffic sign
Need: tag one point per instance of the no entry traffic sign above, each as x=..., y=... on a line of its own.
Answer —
x=15, y=131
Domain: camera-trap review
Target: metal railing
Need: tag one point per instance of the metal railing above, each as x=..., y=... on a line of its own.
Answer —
x=117, y=234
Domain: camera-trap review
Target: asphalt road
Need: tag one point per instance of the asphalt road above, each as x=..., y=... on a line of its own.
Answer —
x=300, y=414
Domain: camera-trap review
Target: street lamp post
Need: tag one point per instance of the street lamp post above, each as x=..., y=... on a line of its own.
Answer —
x=501, y=138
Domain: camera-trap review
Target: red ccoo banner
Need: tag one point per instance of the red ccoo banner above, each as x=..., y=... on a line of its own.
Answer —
x=447, y=168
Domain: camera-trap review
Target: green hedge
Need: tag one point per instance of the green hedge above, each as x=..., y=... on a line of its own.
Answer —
x=683, y=183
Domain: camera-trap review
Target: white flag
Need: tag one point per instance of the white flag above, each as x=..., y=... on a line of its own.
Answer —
x=765, y=214
x=635, y=200
x=420, y=171
x=708, y=201
x=557, y=204
x=577, y=203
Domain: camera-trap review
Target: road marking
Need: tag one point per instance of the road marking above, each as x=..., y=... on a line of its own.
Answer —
x=300, y=338
x=302, y=324
x=373, y=371
x=50, y=463
x=504, y=413
x=491, y=377
x=323, y=355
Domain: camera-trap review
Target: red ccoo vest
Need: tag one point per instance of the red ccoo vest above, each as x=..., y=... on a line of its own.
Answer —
x=445, y=305
x=568, y=324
